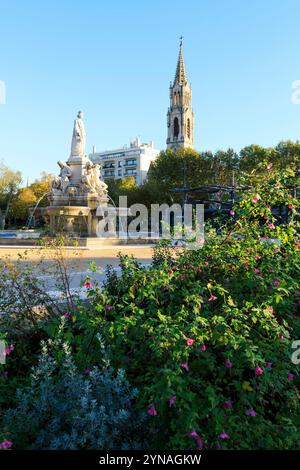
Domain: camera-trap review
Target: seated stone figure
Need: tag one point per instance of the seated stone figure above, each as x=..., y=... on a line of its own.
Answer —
x=91, y=179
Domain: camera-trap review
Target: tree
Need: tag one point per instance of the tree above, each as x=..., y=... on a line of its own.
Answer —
x=21, y=204
x=41, y=188
x=123, y=187
x=28, y=197
x=9, y=183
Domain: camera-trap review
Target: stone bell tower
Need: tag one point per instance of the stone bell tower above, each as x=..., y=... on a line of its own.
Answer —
x=180, y=115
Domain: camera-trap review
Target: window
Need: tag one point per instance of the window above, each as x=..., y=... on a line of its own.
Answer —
x=108, y=173
x=176, y=127
x=188, y=128
x=130, y=162
x=109, y=165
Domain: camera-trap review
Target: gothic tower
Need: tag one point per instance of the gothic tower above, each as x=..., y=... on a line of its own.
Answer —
x=180, y=114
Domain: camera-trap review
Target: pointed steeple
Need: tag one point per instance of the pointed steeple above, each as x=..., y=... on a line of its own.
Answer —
x=180, y=76
x=180, y=117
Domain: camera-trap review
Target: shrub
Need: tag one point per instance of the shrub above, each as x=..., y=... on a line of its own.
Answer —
x=207, y=337
x=66, y=409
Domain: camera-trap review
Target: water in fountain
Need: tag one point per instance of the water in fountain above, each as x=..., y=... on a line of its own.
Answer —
x=30, y=218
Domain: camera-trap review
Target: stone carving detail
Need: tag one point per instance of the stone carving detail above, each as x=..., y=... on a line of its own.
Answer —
x=60, y=183
x=91, y=179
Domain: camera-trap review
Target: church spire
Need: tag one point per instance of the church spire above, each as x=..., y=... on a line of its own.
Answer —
x=180, y=76
x=180, y=117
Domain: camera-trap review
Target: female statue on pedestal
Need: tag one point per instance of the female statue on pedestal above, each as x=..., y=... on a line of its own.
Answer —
x=79, y=137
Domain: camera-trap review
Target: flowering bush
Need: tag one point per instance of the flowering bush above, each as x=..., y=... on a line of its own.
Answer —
x=206, y=336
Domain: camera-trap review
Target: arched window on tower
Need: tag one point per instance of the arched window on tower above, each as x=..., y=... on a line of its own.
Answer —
x=176, y=127
x=175, y=98
x=188, y=128
x=178, y=98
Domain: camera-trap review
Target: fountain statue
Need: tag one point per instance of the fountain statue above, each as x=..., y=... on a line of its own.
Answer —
x=78, y=190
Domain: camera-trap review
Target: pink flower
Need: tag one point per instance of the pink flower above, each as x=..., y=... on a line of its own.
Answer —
x=276, y=282
x=185, y=366
x=200, y=444
x=290, y=376
x=87, y=284
x=194, y=435
x=271, y=226
x=152, y=411
x=190, y=341
x=259, y=371
x=206, y=263
x=257, y=257
x=228, y=404
x=172, y=400
x=296, y=244
x=269, y=166
x=228, y=364
x=224, y=435
x=255, y=198
x=268, y=365
x=199, y=270
x=108, y=307
x=291, y=206
x=251, y=412
x=212, y=297
x=9, y=349
x=202, y=347
x=170, y=271
x=281, y=337
x=6, y=444
x=231, y=212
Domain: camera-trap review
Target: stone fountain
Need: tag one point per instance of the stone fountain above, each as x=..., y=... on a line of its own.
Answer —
x=78, y=190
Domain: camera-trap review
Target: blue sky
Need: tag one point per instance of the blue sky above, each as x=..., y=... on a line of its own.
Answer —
x=115, y=59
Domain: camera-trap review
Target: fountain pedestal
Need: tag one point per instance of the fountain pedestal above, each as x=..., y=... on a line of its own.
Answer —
x=78, y=190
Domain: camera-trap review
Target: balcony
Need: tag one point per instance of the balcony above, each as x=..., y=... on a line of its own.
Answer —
x=130, y=172
x=109, y=174
x=108, y=165
x=130, y=163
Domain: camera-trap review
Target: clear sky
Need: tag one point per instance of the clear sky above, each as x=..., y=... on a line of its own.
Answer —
x=115, y=59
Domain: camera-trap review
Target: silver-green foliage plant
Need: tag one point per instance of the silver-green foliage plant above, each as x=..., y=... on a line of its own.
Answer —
x=67, y=409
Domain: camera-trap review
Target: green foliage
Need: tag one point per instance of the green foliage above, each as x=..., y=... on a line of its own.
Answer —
x=122, y=187
x=189, y=168
x=205, y=336
x=9, y=183
x=238, y=300
x=63, y=408
x=27, y=197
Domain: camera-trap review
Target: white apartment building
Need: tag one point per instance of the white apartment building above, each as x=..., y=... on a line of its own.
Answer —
x=134, y=161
